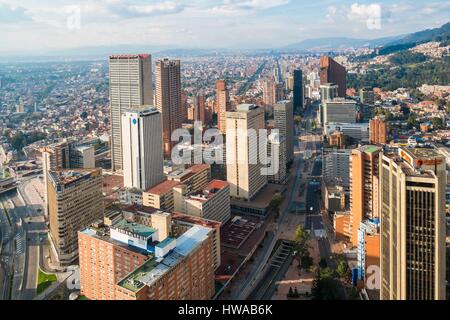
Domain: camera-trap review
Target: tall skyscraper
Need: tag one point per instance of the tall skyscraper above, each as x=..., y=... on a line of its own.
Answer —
x=199, y=109
x=269, y=92
x=130, y=86
x=377, y=131
x=299, y=99
x=364, y=187
x=243, y=159
x=333, y=72
x=283, y=113
x=223, y=104
x=413, y=225
x=75, y=200
x=168, y=99
x=143, y=158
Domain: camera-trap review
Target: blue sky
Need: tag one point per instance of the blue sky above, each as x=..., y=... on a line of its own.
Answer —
x=45, y=25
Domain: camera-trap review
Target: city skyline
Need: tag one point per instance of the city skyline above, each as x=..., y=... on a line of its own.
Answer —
x=36, y=29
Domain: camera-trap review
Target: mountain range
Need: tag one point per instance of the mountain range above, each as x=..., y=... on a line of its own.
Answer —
x=390, y=44
x=329, y=44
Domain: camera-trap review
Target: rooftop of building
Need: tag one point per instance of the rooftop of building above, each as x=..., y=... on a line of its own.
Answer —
x=246, y=107
x=143, y=110
x=369, y=149
x=154, y=268
x=210, y=190
x=134, y=228
x=182, y=174
x=178, y=216
x=163, y=187
x=422, y=153
x=130, y=56
x=68, y=176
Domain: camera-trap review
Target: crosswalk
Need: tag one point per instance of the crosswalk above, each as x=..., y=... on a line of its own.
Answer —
x=20, y=243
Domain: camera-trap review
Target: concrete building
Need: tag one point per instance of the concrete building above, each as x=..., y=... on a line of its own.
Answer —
x=243, y=160
x=160, y=196
x=333, y=72
x=356, y=131
x=223, y=104
x=200, y=109
x=165, y=264
x=143, y=157
x=82, y=156
x=195, y=177
x=364, y=187
x=334, y=198
x=130, y=86
x=413, y=229
x=368, y=249
x=377, y=131
x=168, y=99
x=339, y=110
x=75, y=201
x=336, y=166
x=283, y=113
x=276, y=150
x=336, y=139
x=367, y=96
x=328, y=91
x=211, y=203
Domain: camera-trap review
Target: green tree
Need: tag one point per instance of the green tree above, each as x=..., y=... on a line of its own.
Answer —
x=301, y=240
x=324, y=285
x=437, y=123
x=306, y=261
x=342, y=269
x=84, y=115
x=412, y=122
x=275, y=203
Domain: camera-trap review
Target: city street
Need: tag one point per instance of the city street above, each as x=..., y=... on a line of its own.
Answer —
x=23, y=228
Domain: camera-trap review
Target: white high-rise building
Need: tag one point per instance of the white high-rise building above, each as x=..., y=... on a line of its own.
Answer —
x=142, y=148
x=130, y=86
x=243, y=157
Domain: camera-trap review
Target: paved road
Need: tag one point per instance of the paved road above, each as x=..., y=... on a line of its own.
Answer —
x=260, y=269
x=21, y=241
x=278, y=266
x=7, y=252
x=244, y=88
x=257, y=271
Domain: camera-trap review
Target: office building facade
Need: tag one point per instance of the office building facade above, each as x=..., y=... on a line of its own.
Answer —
x=143, y=158
x=168, y=99
x=75, y=200
x=333, y=72
x=130, y=86
x=243, y=159
x=412, y=225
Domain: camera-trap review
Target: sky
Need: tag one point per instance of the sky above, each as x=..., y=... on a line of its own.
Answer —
x=31, y=26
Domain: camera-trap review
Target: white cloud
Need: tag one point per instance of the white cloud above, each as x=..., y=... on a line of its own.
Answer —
x=331, y=12
x=240, y=7
x=370, y=14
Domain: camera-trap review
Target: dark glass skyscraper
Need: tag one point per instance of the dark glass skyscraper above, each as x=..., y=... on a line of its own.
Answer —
x=333, y=72
x=298, y=90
